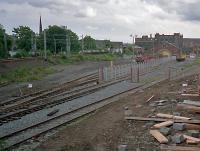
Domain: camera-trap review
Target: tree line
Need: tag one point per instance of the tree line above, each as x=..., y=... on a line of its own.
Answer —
x=58, y=39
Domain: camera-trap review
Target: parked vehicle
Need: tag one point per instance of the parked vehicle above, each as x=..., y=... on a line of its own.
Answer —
x=139, y=59
x=142, y=59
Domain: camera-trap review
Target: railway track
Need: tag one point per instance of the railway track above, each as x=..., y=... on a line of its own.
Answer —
x=53, y=101
x=16, y=108
x=49, y=92
x=46, y=99
x=57, y=121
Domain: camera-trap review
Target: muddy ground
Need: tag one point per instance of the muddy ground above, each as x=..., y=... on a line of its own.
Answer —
x=106, y=128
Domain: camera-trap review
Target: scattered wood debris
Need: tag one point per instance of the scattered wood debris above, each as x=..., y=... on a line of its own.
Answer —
x=159, y=137
x=189, y=108
x=174, y=128
x=178, y=148
x=163, y=124
x=162, y=120
x=194, y=103
x=194, y=95
x=191, y=142
x=191, y=138
x=192, y=127
x=150, y=98
x=161, y=115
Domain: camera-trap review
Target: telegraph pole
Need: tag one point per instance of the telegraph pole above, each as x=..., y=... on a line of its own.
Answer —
x=153, y=47
x=32, y=42
x=45, y=46
x=5, y=43
x=35, y=45
x=54, y=46
x=13, y=42
x=67, y=44
x=82, y=43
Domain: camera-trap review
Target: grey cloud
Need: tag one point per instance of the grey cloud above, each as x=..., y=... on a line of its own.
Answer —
x=3, y=11
x=187, y=10
x=98, y=1
x=53, y=5
x=80, y=15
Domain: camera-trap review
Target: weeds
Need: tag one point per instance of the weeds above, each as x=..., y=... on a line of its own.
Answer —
x=25, y=74
x=81, y=58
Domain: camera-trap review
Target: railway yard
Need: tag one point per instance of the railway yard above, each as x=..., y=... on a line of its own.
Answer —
x=102, y=106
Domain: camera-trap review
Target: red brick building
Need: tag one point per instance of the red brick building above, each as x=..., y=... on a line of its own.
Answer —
x=169, y=44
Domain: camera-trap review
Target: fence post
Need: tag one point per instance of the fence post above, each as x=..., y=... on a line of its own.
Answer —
x=100, y=75
x=138, y=74
x=169, y=74
x=131, y=74
x=111, y=70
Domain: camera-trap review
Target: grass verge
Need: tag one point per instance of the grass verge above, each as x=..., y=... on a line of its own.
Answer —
x=75, y=58
x=25, y=74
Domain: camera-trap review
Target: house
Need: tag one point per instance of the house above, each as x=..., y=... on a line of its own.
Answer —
x=110, y=46
x=103, y=45
x=116, y=47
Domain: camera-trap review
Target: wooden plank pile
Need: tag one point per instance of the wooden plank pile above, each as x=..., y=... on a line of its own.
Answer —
x=190, y=106
x=179, y=127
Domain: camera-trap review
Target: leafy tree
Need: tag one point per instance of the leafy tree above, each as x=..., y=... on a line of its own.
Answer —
x=3, y=49
x=23, y=35
x=89, y=43
x=59, y=35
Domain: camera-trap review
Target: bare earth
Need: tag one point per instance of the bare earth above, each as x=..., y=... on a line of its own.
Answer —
x=106, y=128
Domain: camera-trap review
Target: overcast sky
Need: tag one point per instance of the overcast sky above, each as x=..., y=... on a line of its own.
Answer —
x=106, y=19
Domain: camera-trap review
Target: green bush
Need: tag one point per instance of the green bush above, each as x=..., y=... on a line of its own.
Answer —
x=22, y=54
x=2, y=54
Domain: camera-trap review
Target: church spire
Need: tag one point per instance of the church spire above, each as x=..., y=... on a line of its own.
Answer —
x=40, y=28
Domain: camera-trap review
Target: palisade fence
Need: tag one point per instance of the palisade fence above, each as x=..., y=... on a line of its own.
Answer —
x=132, y=71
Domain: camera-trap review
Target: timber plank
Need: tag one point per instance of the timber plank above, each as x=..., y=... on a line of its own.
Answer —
x=192, y=127
x=163, y=124
x=178, y=148
x=191, y=138
x=195, y=103
x=158, y=136
x=189, y=108
x=172, y=116
x=162, y=120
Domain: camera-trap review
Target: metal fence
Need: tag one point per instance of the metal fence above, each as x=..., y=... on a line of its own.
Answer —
x=133, y=70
